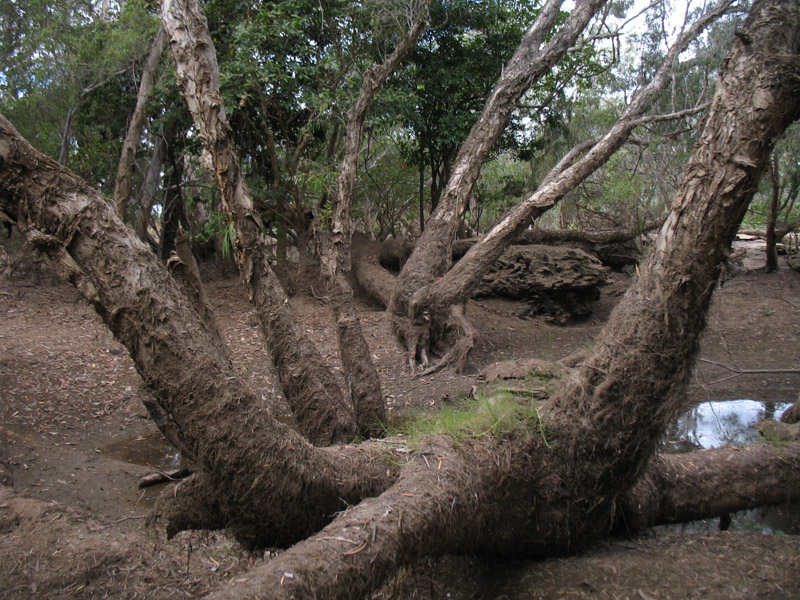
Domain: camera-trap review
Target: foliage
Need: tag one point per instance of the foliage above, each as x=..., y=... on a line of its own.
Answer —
x=787, y=158
x=67, y=71
x=440, y=91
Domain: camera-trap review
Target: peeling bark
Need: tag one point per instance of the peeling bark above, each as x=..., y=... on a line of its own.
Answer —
x=550, y=484
x=712, y=483
x=310, y=387
x=533, y=59
x=363, y=384
x=271, y=485
x=459, y=283
x=633, y=380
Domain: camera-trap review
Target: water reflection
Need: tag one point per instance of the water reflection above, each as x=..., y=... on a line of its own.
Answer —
x=731, y=422
x=714, y=424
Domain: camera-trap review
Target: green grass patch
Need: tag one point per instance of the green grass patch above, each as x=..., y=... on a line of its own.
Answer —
x=501, y=415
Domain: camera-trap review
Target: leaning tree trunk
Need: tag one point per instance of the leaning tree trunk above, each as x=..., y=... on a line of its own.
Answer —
x=309, y=385
x=459, y=283
x=268, y=484
x=362, y=379
x=632, y=382
x=550, y=481
x=559, y=490
x=534, y=58
x=127, y=161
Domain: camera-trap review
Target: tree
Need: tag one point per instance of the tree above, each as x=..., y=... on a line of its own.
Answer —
x=122, y=185
x=426, y=291
x=66, y=72
x=439, y=93
x=555, y=478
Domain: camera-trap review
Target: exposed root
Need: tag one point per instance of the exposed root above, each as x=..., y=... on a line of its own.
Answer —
x=415, y=339
x=188, y=505
x=417, y=516
x=458, y=353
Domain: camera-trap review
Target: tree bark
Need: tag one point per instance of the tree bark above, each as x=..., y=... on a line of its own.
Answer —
x=363, y=384
x=185, y=271
x=310, y=387
x=459, y=283
x=533, y=59
x=549, y=483
x=772, y=251
x=625, y=385
x=174, y=214
x=271, y=486
x=127, y=161
x=684, y=487
x=150, y=185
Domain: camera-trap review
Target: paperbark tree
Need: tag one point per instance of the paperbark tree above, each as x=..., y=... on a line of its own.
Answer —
x=533, y=59
x=554, y=480
x=122, y=184
x=362, y=379
x=310, y=386
x=438, y=296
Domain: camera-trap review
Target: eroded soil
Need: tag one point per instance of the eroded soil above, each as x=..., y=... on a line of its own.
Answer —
x=73, y=426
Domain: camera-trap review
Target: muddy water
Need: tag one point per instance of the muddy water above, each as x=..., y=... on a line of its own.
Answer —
x=732, y=422
x=149, y=450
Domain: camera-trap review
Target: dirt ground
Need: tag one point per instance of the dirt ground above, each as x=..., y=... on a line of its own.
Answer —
x=78, y=439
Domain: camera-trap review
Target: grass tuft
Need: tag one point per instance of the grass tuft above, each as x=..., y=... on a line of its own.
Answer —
x=501, y=414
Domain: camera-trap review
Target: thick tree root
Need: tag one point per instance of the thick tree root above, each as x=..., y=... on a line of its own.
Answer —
x=458, y=353
x=424, y=513
x=414, y=338
x=188, y=505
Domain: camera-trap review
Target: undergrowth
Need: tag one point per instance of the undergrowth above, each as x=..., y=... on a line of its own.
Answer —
x=500, y=414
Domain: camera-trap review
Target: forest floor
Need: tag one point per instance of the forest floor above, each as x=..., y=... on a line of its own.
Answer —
x=79, y=439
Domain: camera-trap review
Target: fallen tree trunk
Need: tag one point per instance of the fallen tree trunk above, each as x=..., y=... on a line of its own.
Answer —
x=685, y=487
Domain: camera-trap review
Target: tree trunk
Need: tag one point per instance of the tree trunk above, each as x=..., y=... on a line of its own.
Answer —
x=127, y=161
x=459, y=283
x=270, y=485
x=533, y=59
x=150, y=186
x=686, y=487
x=548, y=482
x=362, y=378
x=310, y=387
x=174, y=208
x=772, y=251
x=632, y=382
